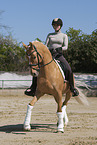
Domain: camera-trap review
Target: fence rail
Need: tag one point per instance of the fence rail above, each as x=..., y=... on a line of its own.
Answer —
x=2, y=82
x=78, y=81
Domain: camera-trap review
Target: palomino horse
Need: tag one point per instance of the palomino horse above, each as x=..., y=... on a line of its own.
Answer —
x=49, y=81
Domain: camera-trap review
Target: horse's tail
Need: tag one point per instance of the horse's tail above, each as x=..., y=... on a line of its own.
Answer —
x=82, y=99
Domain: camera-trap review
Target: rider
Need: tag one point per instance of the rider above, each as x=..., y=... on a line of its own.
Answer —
x=57, y=42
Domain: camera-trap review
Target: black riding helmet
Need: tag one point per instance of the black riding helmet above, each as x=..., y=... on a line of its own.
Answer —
x=57, y=21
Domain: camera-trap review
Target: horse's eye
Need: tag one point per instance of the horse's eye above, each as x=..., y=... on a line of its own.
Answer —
x=34, y=57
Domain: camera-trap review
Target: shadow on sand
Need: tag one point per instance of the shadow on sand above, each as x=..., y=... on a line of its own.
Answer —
x=18, y=128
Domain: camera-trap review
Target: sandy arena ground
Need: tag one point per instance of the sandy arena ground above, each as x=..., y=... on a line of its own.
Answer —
x=81, y=130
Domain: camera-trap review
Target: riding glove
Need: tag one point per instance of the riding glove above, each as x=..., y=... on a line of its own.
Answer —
x=59, y=50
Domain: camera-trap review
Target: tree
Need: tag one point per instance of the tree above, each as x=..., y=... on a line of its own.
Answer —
x=82, y=51
x=12, y=56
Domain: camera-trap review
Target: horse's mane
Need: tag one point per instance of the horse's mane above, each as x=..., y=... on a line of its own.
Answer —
x=40, y=46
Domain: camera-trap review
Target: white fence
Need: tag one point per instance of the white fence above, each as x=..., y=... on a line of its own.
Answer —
x=17, y=87
x=5, y=84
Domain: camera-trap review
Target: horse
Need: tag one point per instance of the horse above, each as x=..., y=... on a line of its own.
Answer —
x=49, y=81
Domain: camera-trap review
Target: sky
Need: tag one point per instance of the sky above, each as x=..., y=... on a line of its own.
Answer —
x=30, y=19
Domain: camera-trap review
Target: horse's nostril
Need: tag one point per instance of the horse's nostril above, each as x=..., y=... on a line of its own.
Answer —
x=34, y=74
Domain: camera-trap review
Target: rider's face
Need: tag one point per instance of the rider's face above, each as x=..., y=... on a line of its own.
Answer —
x=56, y=27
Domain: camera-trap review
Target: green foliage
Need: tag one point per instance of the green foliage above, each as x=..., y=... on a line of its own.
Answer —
x=12, y=56
x=82, y=51
x=38, y=39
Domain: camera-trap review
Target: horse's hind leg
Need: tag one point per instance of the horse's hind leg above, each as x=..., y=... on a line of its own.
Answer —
x=65, y=117
x=28, y=114
x=60, y=124
x=67, y=98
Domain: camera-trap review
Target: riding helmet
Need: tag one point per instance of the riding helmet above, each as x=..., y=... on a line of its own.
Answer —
x=57, y=21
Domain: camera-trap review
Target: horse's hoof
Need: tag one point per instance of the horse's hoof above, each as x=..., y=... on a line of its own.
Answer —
x=27, y=127
x=60, y=130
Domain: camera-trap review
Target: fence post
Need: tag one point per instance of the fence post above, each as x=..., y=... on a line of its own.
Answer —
x=2, y=84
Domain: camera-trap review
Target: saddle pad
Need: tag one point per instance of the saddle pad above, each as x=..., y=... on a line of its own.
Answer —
x=56, y=61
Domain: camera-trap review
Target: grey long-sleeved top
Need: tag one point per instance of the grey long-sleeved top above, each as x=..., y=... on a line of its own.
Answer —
x=57, y=39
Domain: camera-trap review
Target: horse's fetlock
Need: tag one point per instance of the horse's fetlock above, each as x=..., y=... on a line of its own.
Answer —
x=27, y=127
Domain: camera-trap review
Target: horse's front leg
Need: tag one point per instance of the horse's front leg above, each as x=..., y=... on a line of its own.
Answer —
x=27, y=126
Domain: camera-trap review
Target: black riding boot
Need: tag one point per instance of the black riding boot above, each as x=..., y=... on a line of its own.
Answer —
x=31, y=91
x=70, y=79
x=74, y=91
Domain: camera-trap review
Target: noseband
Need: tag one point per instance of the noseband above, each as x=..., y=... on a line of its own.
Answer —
x=37, y=64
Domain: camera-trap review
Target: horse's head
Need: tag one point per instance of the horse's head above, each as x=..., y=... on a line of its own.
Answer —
x=34, y=58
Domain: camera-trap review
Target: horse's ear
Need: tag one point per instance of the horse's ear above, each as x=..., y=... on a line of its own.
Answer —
x=25, y=45
x=31, y=45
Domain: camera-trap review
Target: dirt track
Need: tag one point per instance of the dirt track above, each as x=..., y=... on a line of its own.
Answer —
x=81, y=130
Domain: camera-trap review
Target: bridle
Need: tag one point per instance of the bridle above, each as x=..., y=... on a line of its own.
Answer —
x=39, y=63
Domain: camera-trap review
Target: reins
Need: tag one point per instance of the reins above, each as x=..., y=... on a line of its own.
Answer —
x=38, y=55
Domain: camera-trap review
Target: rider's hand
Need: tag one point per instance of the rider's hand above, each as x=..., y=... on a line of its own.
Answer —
x=59, y=50
x=53, y=51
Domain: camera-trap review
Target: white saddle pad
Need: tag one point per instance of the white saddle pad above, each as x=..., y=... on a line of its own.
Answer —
x=56, y=61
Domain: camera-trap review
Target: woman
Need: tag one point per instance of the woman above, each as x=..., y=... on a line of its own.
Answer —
x=57, y=42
